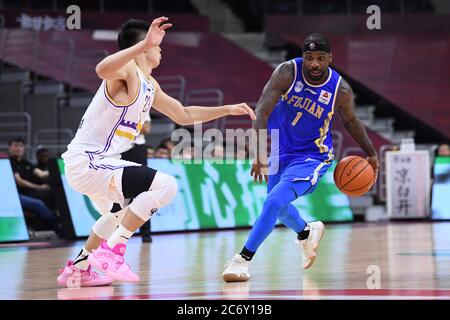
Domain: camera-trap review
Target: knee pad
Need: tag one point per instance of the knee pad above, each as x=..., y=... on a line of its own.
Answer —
x=162, y=191
x=165, y=188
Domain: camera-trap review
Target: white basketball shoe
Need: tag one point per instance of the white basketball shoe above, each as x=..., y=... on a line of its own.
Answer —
x=311, y=244
x=236, y=270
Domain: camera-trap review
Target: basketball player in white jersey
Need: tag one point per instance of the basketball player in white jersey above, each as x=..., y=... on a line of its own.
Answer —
x=108, y=128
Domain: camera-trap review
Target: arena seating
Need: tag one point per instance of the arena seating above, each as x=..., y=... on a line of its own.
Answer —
x=91, y=20
x=413, y=24
x=205, y=61
x=417, y=83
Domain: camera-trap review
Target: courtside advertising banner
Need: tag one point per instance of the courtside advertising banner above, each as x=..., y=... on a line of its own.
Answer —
x=408, y=181
x=12, y=221
x=441, y=189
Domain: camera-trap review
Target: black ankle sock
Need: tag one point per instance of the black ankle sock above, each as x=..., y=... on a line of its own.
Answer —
x=304, y=234
x=246, y=254
x=80, y=258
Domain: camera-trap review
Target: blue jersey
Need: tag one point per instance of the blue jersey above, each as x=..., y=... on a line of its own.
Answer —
x=303, y=117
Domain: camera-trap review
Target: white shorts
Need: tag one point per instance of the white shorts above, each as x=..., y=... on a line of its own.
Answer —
x=100, y=179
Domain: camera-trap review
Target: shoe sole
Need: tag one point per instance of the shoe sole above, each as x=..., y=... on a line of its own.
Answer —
x=95, y=283
x=234, y=278
x=315, y=249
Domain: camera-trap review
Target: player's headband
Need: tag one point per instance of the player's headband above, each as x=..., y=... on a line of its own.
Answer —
x=316, y=46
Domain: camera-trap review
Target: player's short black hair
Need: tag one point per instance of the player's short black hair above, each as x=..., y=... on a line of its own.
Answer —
x=316, y=42
x=130, y=31
x=18, y=139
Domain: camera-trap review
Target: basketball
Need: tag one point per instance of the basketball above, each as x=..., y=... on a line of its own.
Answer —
x=354, y=176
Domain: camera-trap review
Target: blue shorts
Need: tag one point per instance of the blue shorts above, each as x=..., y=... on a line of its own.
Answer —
x=298, y=169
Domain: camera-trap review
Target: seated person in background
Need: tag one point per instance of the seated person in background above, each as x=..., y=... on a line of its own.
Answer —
x=188, y=153
x=168, y=144
x=42, y=212
x=38, y=198
x=41, y=169
x=150, y=152
x=444, y=150
x=25, y=174
x=218, y=152
x=162, y=152
x=242, y=152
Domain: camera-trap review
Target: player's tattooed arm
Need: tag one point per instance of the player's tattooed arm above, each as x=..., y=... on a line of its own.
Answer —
x=346, y=105
x=279, y=83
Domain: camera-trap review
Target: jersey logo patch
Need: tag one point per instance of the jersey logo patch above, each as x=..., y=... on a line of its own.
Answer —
x=298, y=86
x=325, y=97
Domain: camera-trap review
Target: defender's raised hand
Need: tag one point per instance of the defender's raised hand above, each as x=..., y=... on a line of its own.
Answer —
x=157, y=31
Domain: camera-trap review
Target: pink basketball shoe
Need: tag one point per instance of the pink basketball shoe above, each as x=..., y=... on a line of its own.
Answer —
x=112, y=263
x=72, y=277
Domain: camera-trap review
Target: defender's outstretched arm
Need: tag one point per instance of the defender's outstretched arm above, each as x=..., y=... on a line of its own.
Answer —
x=173, y=109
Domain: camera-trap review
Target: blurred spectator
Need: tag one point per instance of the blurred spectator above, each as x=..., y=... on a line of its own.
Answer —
x=41, y=169
x=218, y=152
x=150, y=152
x=162, y=152
x=242, y=153
x=168, y=144
x=34, y=197
x=444, y=150
x=42, y=156
x=188, y=153
x=38, y=209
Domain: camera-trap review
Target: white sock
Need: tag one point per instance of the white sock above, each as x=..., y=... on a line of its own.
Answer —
x=81, y=261
x=120, y=235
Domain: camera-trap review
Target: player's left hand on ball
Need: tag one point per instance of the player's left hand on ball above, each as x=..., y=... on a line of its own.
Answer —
x=373, y=160
x=241, y=109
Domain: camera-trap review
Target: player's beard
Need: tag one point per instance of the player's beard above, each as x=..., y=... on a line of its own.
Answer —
x=315, y=77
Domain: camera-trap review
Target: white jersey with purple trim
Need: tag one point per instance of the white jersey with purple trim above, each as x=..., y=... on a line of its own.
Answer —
x=140, y=139
x=108, y=129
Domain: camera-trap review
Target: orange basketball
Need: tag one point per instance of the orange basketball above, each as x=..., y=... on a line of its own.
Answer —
x=354, y=176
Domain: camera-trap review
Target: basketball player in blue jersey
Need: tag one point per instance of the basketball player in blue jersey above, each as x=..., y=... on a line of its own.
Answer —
x=297, y=105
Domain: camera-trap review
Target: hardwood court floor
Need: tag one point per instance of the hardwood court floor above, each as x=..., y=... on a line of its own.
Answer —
x=411, y=259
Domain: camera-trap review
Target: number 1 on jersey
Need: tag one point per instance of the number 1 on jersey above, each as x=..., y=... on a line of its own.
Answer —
x=299, y=115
